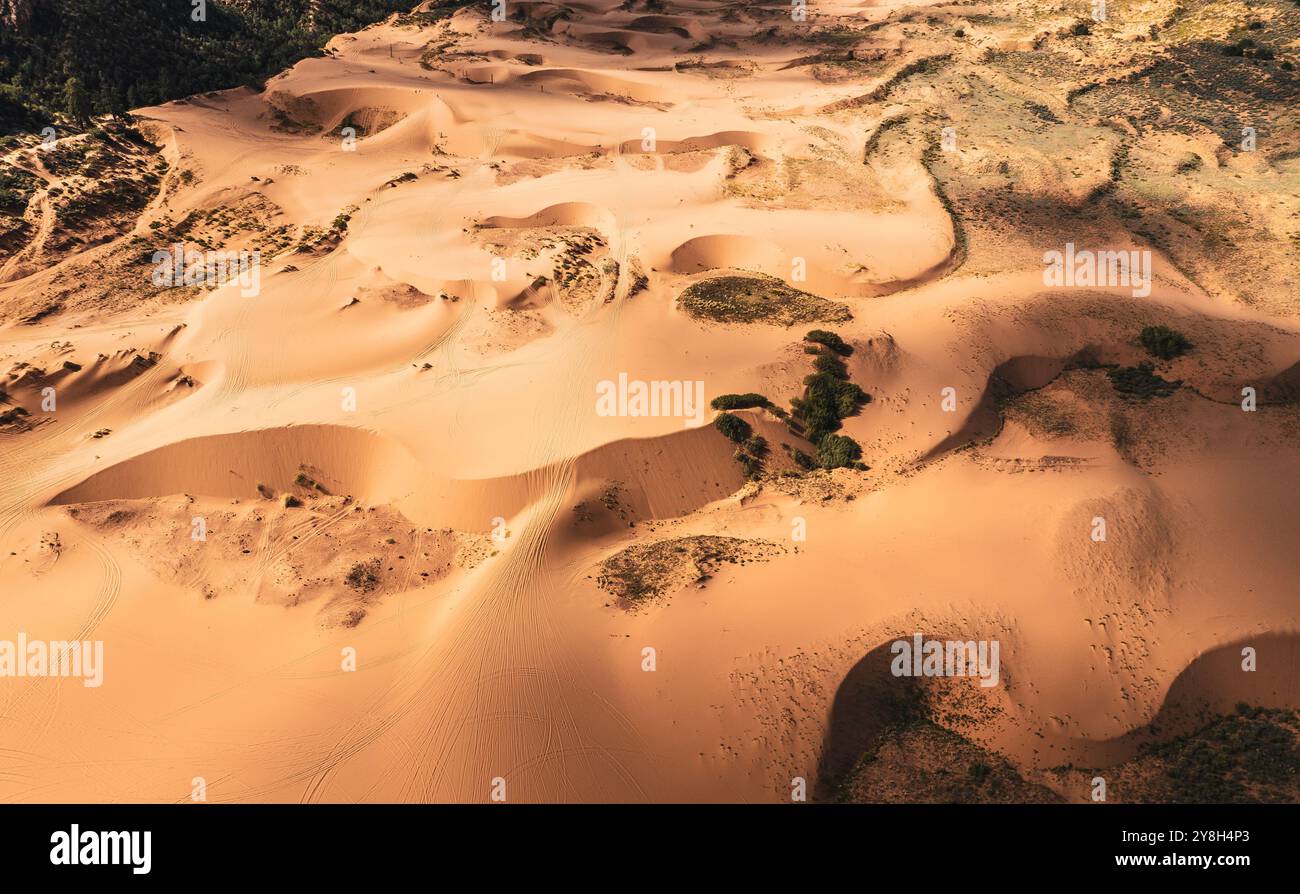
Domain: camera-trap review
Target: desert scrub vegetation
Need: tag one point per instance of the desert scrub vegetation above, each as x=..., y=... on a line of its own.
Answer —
x=921, y=761
x=16, y=189
x=1163, y=342
x=645, y=572
x=747, y=401
x=103, y=201
x=733, y=428
x=829, y=340
x=340, y=222
x=838, y=452
x=364, y=576
x=751, y=449
x=1140, y=382
x=750, y=454
x=836, y=36
x=250, y=220
x=1043, y=414
x=1250, y=756
x=829, y=398
x=758, y=299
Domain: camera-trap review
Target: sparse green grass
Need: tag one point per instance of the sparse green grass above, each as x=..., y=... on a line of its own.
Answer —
x=758, y=299
x=647, y=571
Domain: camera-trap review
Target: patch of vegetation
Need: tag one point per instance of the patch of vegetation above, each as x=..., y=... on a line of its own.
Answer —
x=828, y=398
x=749, y=401
x=364, y=576
x=103, y=199
x=801, y=459
x=437, y=11
x=75, y=59
x=359, y=130
x=1247, y=48
x=647, y=571
x=838, y=452
x=1043, y=415
x=340, y=223
x=733, y=427
x=752, y=449
x=758, y=299
x=1251, y=756
x=750, y=454
x=1141, y=382
x=920, y=761
x=830, y=340
x=836, y=36
x=1163, y=342
x=16, y=189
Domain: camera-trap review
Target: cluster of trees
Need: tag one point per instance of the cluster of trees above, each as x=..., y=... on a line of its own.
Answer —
x=751, y=449
x=828, y=398
x=80, y=58
x=828, y=395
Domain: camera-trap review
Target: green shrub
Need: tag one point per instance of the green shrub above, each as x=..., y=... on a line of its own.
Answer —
x=1140, y=382
x=733, y=427
x=838, y=452
x=830, y=340
x=826, y=400
x=830, y=365
x=748, y=401
x=802, y=460
x=828, y=396
x=1163, y=342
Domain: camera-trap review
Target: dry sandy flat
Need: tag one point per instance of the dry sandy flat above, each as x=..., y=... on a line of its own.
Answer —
x=433, y=414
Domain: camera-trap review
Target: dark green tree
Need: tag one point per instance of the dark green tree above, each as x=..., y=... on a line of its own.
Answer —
x=733, y=427
x=76, y=104
x=838, y=452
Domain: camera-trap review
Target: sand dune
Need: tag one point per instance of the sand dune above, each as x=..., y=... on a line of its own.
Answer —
x=396, y=444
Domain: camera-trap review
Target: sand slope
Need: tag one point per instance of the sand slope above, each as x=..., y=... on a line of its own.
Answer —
x=397, y=456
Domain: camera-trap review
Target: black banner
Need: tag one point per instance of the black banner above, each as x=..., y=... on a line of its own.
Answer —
x=330, y=843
